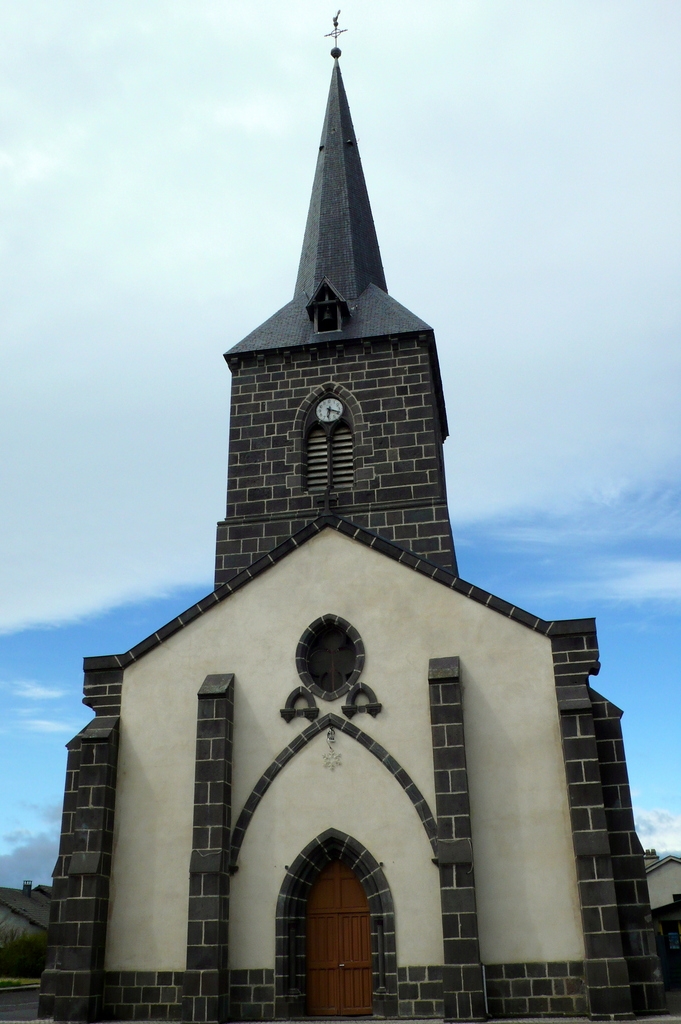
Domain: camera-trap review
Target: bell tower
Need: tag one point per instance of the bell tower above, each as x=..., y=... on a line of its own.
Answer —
x=337, y=401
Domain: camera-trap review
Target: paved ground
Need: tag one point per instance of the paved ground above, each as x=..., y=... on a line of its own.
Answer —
x=19, y=1005
x=23, y=1006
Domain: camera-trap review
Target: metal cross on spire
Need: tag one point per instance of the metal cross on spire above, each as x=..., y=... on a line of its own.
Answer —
x=336, y=32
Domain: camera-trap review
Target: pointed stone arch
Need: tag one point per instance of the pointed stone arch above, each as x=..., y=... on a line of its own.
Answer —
x=290, y=971
x=296, y=745
x=362, y=437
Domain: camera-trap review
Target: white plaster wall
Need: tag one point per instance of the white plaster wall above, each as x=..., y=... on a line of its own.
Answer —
x=153, y=822
x=360, y=798
x=526, y=884
x=663, y=882
x=11, y=924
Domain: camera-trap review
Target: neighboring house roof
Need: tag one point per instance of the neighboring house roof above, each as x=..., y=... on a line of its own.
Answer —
x=34, y=908
x=676, y=905
x=558, y=627
x=671, y=859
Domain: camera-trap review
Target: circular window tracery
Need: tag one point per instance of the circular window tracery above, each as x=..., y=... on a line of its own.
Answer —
x=330, y=656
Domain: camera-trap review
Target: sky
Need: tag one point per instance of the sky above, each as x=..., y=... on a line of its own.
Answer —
x=156, y=159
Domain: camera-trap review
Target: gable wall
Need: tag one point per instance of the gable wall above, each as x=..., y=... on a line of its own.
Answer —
x=525, y=876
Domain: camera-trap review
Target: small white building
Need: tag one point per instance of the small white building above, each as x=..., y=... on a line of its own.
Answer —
x=664, y=881
x=25, y=910
x=664, y=886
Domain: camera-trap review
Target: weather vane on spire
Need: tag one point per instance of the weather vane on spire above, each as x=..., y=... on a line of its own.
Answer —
x=336, y=32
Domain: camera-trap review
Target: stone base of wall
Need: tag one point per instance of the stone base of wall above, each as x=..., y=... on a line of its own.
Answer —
x=157, y=995
x=645, y=981
x=251, y=995
x=143, y=995
x=419, y=992
x=536, y=990
x=513, y=990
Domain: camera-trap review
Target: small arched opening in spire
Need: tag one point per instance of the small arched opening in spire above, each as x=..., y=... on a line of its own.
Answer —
x=327, y=308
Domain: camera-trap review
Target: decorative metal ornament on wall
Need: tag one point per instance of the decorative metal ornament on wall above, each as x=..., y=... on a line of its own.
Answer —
x=330, y=657
x=331, y=758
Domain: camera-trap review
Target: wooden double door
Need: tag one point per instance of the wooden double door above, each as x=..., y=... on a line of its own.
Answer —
x=339, y=975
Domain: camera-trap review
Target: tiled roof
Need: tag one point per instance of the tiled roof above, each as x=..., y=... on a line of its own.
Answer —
x=35, y=908
x=374, y=314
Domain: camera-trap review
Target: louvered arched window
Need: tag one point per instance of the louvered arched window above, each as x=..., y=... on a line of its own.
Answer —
x=341, y=458
x=330, y=452
x=317, y=460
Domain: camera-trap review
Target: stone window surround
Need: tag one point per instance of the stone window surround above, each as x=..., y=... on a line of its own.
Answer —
x=304, y=419
x=302, y=653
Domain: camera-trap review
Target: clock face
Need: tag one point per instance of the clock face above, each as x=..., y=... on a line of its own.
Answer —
x=329, y=410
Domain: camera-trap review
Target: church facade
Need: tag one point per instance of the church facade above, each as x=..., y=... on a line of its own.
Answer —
x=347, y=782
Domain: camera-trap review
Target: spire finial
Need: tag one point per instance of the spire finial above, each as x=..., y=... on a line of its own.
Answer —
x=336, y=52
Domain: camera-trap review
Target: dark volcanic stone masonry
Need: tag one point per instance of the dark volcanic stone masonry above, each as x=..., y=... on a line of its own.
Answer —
x=391, y=391
x=462, y=978
x=420, y=991
x=536, y=990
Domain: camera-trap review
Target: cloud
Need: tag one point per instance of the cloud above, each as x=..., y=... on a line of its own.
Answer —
x=47, y=725
x=33, y=857
x=156, y=168
x=50, y=813
x=621, y=550
x=660, y=830
x=34, y=691
x=32, y=854
x=641, y=579
x=632, y=581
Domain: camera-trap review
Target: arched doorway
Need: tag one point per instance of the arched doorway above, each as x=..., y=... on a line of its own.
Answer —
x=339, y=975
x=291, y=922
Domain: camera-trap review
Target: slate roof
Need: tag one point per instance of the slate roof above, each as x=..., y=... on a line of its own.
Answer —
x=340, y=238
x=674, y=905
x=374, y=314
x=35, y=908
x=340, y=244
x=557, y=627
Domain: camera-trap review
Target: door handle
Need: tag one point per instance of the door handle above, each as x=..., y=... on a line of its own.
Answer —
x=341, y=965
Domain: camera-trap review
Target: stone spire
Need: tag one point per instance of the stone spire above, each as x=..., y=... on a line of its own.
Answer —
x=340, y=240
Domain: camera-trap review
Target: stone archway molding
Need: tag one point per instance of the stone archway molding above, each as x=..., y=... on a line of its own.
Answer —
x=291, y=964
x=296, y=745
x=296, y=438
